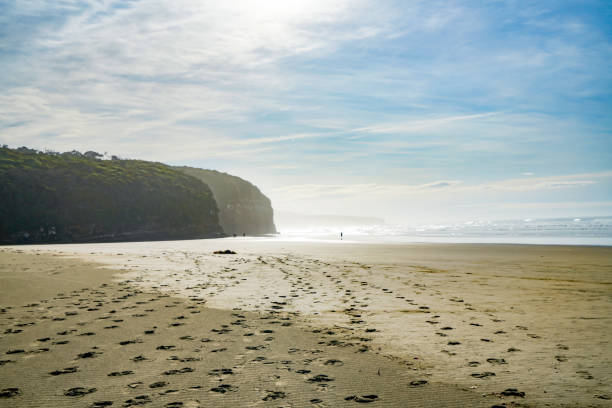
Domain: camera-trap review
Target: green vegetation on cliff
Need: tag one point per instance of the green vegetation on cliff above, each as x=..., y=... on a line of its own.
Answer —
x=242, y=207
x=74, y=197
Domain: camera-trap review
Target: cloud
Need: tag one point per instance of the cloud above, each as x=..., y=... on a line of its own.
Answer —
x=277, y=139
x=305, y=191
x=565, y=205
x=438, y=184
x=546, y=183
x=418, y=125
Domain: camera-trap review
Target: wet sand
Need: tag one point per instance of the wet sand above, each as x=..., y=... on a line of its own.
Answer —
x=305, y=324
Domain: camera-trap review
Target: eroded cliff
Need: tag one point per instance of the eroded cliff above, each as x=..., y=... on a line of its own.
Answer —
x=243, y=209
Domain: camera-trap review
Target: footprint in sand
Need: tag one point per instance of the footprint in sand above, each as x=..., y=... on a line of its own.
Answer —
x=483, y=375
x=362, y=398
x=67, y=370
x=221, y=331
x=320, y=378
x=126, y=342
x=273, y=395
x=158, y=384
x=223, y=388
x=221, y=371
x=89, y=354
x=99, y=404
x=139, y=400
x=10, y=392
x=513, y=392
x=179, y=371
x=120, y=373
x=79, y=391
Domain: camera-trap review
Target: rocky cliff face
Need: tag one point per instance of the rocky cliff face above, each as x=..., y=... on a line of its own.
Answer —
x=74, y=197
x=243, y=209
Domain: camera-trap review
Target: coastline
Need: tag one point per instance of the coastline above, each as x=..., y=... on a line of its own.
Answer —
x=394, y=301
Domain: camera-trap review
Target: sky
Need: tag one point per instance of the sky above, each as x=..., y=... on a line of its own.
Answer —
x=412, y=111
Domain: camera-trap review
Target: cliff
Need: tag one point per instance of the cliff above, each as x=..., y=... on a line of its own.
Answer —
x=242, y=207
x=74, y=197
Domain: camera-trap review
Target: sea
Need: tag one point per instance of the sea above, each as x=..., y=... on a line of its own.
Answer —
x=548, y=231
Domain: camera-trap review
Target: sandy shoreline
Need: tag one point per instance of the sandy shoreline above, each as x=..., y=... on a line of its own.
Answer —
x=471, y=320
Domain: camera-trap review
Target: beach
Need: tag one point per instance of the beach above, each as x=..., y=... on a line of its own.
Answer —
x=282, y=323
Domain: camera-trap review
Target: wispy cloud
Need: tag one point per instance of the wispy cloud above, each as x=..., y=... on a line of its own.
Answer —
x=563, y=205
x=277, y=139
x=304, y=191
x=418, y=125
x=444, y=186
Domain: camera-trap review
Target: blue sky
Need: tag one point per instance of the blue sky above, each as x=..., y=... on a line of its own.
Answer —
x=415, y=111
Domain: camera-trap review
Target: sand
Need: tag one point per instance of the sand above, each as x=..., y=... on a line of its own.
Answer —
x=305, y=324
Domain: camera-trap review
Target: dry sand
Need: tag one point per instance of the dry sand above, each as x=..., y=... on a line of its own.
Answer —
x=305, y=324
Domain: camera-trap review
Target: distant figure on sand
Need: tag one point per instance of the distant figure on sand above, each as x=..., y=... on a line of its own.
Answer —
x=340, y=236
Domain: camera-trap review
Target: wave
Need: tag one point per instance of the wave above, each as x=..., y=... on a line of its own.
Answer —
x=574, y=231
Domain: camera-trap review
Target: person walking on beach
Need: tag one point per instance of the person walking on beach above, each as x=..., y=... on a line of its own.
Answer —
x=340, y=235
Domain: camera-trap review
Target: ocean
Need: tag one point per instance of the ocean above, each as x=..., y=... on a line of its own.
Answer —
x=552, y=231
